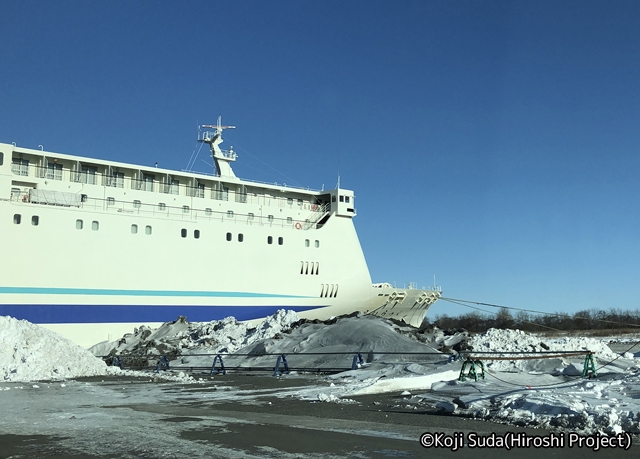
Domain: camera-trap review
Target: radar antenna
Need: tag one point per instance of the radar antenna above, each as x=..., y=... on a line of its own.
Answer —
x=222, y=158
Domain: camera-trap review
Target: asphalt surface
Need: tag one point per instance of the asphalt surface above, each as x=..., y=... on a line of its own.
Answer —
x=172, y=420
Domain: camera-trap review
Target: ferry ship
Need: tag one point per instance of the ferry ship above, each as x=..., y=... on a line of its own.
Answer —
x=96, y=248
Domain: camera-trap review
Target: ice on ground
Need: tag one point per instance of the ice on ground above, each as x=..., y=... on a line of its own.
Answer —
x=32, y=353
x=547, y=393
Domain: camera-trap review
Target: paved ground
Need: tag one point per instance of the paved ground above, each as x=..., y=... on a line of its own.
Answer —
x=134, y=418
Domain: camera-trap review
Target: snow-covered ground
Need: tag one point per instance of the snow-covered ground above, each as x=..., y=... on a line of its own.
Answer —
x=546, y=393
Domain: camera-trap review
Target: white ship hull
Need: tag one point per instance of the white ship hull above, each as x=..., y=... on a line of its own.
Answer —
x=95, y=248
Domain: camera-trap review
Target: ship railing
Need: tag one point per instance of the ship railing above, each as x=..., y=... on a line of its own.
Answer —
x=318, y=212
x=189, y=213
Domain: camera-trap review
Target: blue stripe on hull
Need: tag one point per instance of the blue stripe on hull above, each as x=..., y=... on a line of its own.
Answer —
x=74, y=314
x=120, y=292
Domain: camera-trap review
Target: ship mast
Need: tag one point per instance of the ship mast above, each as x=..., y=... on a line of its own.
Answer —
x=222, y=158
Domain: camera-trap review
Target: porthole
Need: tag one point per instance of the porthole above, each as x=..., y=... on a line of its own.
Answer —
x=79, y=224
x=229, y=236
x=95, y=225
x=17, y=218
x=35, y=220
x=134, y=229
x=240, y=237
x=147, y=230
x=306, y=242
x=280, y=241
x=270, y=240
x=317, y=243
x=183, y=232
x=196, y=234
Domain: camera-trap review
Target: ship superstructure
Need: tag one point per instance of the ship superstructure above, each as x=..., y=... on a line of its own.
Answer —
x=94, y=248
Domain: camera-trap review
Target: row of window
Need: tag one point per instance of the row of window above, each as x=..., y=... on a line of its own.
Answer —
x=114, y=178
x=314, y=265
x=17, y=219
x=95, y=226
x=196, y=233
x=137, y=204
x=329, y=291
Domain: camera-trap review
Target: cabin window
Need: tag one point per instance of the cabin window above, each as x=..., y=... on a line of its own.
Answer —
x=183, y=232
x=95, y=225
x=54, y=171
x=147, y=182
x=134, y=229
x=240, y=237
x=1, y=158
x=306, y=242
x=117, y=179
x=341, y=198
x=198, y=190
x=20, y=166
x=147, y=230
x=196, y=234
x=317, y=243
x=17, y=218
x=111, y=201
x=79, y=224
x=230, y=213
x=185, y=209
x=289, y=220
x=208, y=212
x=162, y=206
x=346, y=199
x=88, y=175
x=229, y=237
x=280, y=241
x=35, y=220
x=175, y=187
x=333, y=199
x=270, y=240
x=137, y=204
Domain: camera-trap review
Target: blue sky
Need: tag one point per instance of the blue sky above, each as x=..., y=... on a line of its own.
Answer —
x=494, y=144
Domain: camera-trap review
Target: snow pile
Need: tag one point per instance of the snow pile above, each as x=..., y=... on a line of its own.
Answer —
x=498, y=340
x=180, y=337
x=32, y=353
x=334, y=345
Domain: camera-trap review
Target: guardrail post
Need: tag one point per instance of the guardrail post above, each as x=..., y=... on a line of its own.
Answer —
x=357, y=361
x=116, y=361
x=213, y=367
x=473, y=370
x=163, y=364
x=589, y=369
x=276, y=370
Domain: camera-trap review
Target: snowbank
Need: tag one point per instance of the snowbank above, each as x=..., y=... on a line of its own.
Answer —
x=32, y=353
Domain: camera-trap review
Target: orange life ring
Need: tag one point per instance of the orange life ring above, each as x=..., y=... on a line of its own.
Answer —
x=298, y=225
